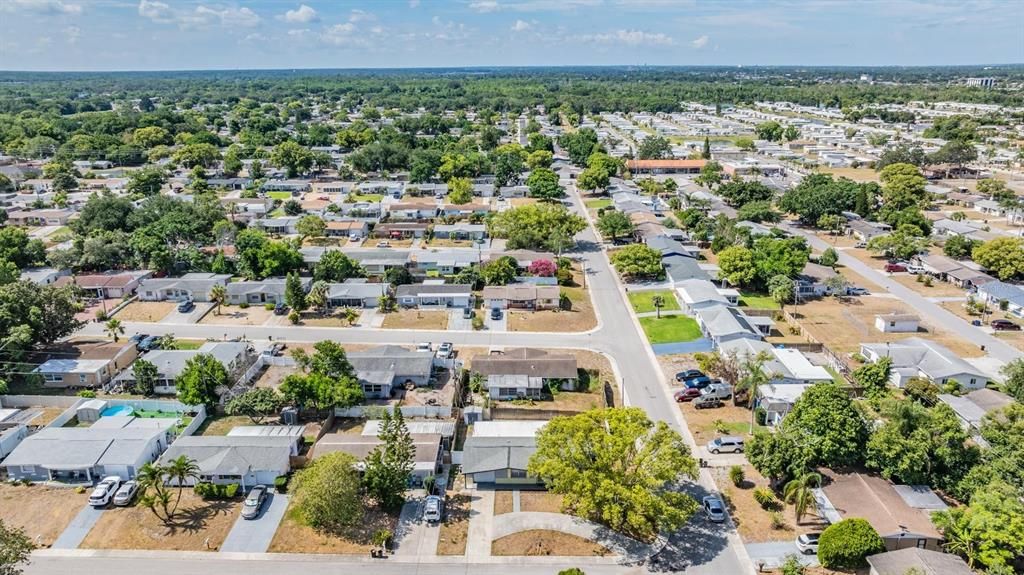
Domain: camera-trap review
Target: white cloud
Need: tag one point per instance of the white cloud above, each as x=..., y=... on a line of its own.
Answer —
x=629, y=38
x=299, y=32
x=485, y=6
x=700, y=42
x=50, y=7
x=301, y=15
x=342, y=35
x=202, y=15
x=520, y=26
x=358, y=15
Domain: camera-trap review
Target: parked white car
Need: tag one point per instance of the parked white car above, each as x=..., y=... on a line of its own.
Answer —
x=433, y=509
x=104, y=491
x=126, y=493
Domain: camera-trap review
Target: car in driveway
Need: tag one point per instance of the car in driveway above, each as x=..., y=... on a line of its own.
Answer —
x=186, y=306
x=856, y=291
x=468, y=313
x=383, y=244
x=688, y=394
x=726, y=444
x=126, y=493
x=444, y=351
x=689, y=374
x=254, y=502
x=698, y=382
x=706, y=401
x=808, y=543
x=280, y=308
x=714, y=509
x=104, y=491
x=496, y=313
x=1004, y=325
x=433, y=509
x=895, y=268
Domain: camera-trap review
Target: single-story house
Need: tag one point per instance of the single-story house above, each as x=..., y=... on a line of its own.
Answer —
x=59, y=217
x=721, y=323
x=427, y=460
x=387, y=367
x=401, y=230
x=87, y=364
x=441, y=263
x=784, y=366
x=917, y=561
x=990, y=207
x=111, y=285
x=120, y=446
x=897, y=322
x=236, y=357
x=376, y=262
x=242, y=459
x=679, y=268
x=444, y=428
x=355, y=292
x=435, y=294
x=282, y=226
x=269, y=290
x=813, y=279
x=897, y=516
x=194, y=286
x=347, y=228
x=412, y=211
x=938, y=265
x=523, y=257
x=526, y=372
x=235, y=183
x=1008, y=297
x=695, y=294
x=917, y=357
x=460, y=231
x=43, y=276
x=669, y=166
x=294, y=432
x=498, y=452
x=974, y=406
x=294, y=186
x=248, y=208
x=463, y=210
x=864, y=230
x=521, y=296
x=777, y=400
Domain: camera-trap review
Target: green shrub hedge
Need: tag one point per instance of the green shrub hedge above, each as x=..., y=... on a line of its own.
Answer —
x=213, y=491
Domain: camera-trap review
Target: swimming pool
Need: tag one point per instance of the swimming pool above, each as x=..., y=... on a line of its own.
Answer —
x=117, y=410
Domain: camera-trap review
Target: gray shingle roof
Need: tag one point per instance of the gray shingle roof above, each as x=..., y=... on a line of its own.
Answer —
x=925, y=561
x=933, y=359
x=481, y=454
x=526, y=361
x=233, y=455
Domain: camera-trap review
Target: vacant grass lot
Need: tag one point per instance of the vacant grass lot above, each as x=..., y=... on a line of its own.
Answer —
x=280, y=195
x=670, y=329
x=643, y=301
x=757, y=301
x=598, y=203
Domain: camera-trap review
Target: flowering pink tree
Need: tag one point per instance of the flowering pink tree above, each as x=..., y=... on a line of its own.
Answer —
x=543, y=268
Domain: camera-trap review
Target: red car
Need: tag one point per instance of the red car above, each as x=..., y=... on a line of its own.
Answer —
x=1004, y=325
x=890, y=268
x=688, y=394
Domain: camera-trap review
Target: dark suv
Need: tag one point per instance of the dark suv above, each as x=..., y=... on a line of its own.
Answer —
x=1004, y=325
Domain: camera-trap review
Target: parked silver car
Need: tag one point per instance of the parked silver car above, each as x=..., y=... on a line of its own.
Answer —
x=126, y=493
x=254, y=502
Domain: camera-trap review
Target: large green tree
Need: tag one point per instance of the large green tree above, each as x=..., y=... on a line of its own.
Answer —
x=389, y=465
x=990, y=531
x=257, y=404
x=834, y=428
x=638, y=262
x=847, y=544
x=326, y=493
x=538, y=226
x=199, y=381
x=337, y=266
x=543, y=184
x=1003, y=257
x=15, y=548
x=616, y=466
x=614, y=224
x=295, y=158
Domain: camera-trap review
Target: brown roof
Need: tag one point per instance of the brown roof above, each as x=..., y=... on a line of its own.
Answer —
x=521, y=292
x=872, y=498
x=924, y=561
x=989, y=399
x=527, y=361
x=334, y=225
x=95, y=281
x=662, y=164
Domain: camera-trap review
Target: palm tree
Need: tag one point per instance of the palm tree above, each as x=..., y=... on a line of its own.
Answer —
x=114, y=329
x=658, y=301
x=799, y=493
x=218, y=295
x=181, y=470
x=350, y=315
x=317, y=296
x=151, y=482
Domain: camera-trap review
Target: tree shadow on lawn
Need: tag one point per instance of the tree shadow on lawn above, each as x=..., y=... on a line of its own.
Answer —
x=698, y=542
x=195, y=519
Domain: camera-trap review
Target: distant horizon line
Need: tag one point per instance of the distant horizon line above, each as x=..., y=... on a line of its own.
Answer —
x=864, y=67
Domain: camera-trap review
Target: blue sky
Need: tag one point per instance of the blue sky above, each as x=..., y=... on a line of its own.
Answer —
x=204, y=34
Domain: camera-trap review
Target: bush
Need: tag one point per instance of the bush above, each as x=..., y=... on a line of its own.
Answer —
x=919, y=278
x=736, y=475
x=778, y=521
x=294, y=317
x=213, y=491
x=847, y=543
x=928, y=281
x=761, y=415
x=281, y=483
x=269, y=306
x=87, y=393
x=792, y=566
x=244, y=305
x=478, y=323
x=765, y=498
x=101, y=315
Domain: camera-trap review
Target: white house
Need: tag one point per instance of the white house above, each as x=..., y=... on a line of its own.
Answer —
x=435, y=294
x=778, y=400
x=783, y=366
x=247, y=460
x=897, y=323
x=917, y=357
x=193, y=286
x=695, y=294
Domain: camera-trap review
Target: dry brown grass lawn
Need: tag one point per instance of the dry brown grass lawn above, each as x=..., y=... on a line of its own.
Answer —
x=294, y=537
x=43, y=512
x=937, y=289
x=333, y=319
x=150, y=311
x=516, y=202
x=372, y=243
x=1014, y=338
x=222, y=424
x=255, y=314
x=580, y=318
x=197, y=523
x=416, y=319
x=843, y=324
x=447, y=243
x=754, y=523
x=855, y=174
x=455, y=529
x=703, y=422
x=502, y=502
x=540, y=501
x=541, y=542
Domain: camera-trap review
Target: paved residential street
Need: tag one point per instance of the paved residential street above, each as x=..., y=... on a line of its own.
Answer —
x=255, y=535
x=75, y=532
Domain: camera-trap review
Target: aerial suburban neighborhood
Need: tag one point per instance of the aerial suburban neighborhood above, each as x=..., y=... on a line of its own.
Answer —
x=565, y=316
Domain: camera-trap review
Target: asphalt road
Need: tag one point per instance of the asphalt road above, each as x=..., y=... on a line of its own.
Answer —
x=700, y=548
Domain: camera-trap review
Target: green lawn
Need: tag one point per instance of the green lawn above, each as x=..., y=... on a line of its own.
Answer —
x=188, y=344
x=280, y=195
x=598, y=204
x=670, y=329
x=366, y=197
x=642, y=301
x=757, y=301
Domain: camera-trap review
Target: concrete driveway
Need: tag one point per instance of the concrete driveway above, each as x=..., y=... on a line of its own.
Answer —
x=197, y=313
x=774, y=553
x=495, y=324
x=456, y=322
x=75, y=532
x=254, y=535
